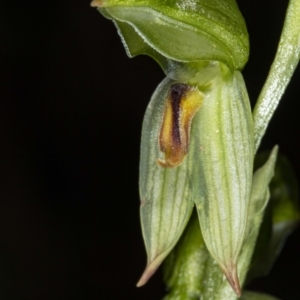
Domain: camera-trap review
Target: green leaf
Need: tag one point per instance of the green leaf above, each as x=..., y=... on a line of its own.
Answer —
x=256, y=296
x=284, y=192
x=166, y=194
x=184, y=31
x=259, y=198
x=281, y=218
x=282, y=69
x=264, y=260
x=223, y=143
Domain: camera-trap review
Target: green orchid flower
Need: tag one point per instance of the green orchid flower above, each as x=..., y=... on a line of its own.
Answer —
x=198, y=137
x=197, y=141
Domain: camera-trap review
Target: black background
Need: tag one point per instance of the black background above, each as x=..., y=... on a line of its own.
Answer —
x=71, y=109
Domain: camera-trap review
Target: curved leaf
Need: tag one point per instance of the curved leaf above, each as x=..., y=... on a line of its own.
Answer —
x=280, y=219
x=282, y=69
x=259, y=198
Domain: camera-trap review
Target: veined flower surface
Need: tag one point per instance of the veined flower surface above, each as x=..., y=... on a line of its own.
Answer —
x=214, y=173
x=197, y=139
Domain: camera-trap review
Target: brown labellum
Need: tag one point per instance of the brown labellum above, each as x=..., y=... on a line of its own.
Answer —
x=183, y=101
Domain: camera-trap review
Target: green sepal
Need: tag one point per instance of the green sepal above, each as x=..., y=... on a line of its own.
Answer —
x=224, y=146
x=135, y=45
x=211, y=30
x=214, y=285
x=166, y=194
x=191, y=273
x=193, y=73
x=191, y=258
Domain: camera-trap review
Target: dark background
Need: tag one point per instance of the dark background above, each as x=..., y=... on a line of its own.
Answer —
x=71, y=109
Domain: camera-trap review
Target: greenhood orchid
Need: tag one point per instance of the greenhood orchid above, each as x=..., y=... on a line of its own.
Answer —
x=198, y=142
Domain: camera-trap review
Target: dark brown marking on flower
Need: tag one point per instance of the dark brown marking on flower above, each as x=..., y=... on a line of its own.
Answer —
x=176, y=94
x=182, y=103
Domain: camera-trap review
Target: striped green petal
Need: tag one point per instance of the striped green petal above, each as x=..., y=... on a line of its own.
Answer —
x=166, y=193
x=191, y=273
x=222, y=171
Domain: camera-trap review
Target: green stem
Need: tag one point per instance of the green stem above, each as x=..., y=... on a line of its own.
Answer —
x=282, y=69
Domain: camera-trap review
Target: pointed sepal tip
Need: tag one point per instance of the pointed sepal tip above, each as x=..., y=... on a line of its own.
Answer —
x=147, y=274
x=233, y=279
